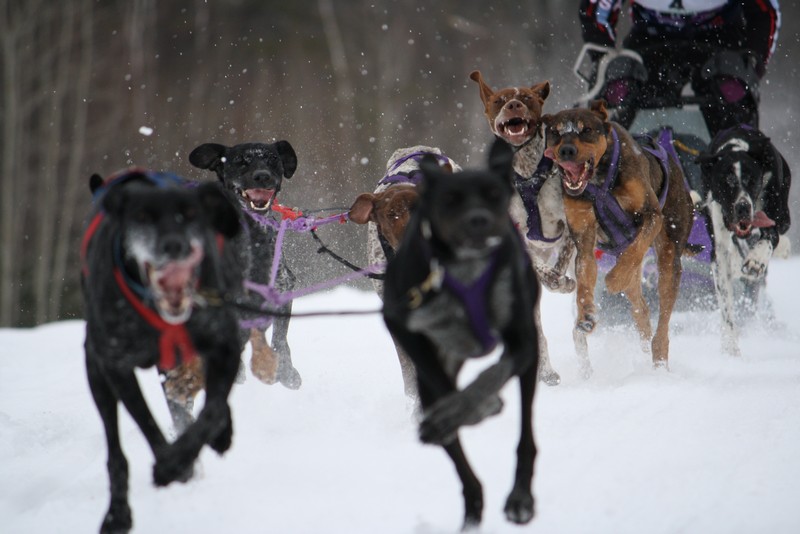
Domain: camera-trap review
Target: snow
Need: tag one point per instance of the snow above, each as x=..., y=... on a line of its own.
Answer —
x=710, y=446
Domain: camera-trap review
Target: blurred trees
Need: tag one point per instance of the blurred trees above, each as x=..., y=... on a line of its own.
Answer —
x=345, y=82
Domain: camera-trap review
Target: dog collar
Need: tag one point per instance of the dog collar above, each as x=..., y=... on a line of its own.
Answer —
x=172, y=337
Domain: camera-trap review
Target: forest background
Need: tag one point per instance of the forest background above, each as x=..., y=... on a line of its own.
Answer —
x=99, y=85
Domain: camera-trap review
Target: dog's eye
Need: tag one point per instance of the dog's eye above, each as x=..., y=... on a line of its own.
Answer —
x=452, y=199
x=587, y=130
x=143, y=217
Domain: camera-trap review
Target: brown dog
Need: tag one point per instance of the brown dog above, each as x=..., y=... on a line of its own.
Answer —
x=626, y=200
x=386, y=212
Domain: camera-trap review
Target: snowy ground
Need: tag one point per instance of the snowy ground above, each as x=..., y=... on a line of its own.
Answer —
x=710, y=447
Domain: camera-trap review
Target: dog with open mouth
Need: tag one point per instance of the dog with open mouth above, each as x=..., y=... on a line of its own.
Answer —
x=746, y=182
x=514, y=116
x=253, y=174
x=154, y=254
x=624, y=198
x=460, y=286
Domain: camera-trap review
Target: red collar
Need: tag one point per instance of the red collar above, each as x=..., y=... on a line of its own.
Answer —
x=172, y=336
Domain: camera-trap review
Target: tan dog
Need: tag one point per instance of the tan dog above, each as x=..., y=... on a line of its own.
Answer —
x=621, y=197
x=386, y=212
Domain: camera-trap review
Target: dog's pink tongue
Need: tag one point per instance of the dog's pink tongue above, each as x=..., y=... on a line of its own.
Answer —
x=572, y=169
x=260, y=197
x=175, y=276
x=762, y=220
x=548, y=153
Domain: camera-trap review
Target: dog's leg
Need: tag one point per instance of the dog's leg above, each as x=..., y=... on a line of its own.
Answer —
x=519, y=506
x=628, y=265
x=471, y=488
x=287, y=374
x=640, y=311
x=722, y=268
x=118, y=518
x=408, y=372
x=670, y=271
x=264, y=361
x=566, y=253
x=213, y=425
x=547, y=374
x=181, y=385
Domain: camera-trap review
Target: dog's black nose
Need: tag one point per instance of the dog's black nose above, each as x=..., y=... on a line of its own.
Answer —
x=479, y=221
x=743, y=210
x=174, y=247
x=261, y=176
x=567, y=152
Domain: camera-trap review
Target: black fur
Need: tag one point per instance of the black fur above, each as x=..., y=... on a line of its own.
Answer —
x=253, y=174
x=763, y=183
x=462, y=224
x=746, y=183
x=143, y=226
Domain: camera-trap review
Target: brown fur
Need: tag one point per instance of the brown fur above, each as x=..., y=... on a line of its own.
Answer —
x=388, y=209
x=640, y=178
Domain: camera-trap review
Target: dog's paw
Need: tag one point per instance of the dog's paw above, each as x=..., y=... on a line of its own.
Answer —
x=754, y=268
x=222, y=441
x=549, y=377
x=519, y=507
x=289, y=377
x=118, y=519
x=441, y=422
x=557, y=283
x=264, y=366
x=171, y=467
x=587, y=323
x=618, y=279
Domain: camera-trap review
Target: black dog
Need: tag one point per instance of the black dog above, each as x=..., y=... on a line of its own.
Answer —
x=252, y=173
x=746, y=182
x=460, y=284
x=152, y=250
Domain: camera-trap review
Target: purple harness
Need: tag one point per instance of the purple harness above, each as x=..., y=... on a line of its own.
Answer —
x=408, y=178
x=618, y=225
x=528, y=189
x=473, y=297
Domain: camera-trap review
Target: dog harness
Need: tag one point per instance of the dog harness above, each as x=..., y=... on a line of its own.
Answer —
x=528, y=189
x=172, y=337
x=618, y=225
x=412, y=177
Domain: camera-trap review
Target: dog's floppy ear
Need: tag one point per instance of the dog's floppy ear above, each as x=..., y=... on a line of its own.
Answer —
x=288, y=158
x=207, y=156
x=485, y=91
x=222, y=214
x=95, y=182
x=542, y=90
x=362, y=209
x=501, y=158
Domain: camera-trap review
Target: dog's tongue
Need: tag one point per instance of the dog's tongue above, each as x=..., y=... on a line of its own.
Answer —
x=573, y=170
x=174, y=277
x=260, y=197
x=762, y=220
x=517, y=128
x=548, y=153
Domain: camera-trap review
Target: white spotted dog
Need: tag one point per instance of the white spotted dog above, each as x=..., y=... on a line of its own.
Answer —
x=386, y=212
x=537, y=209
x=746, y=184
x=514, y=115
